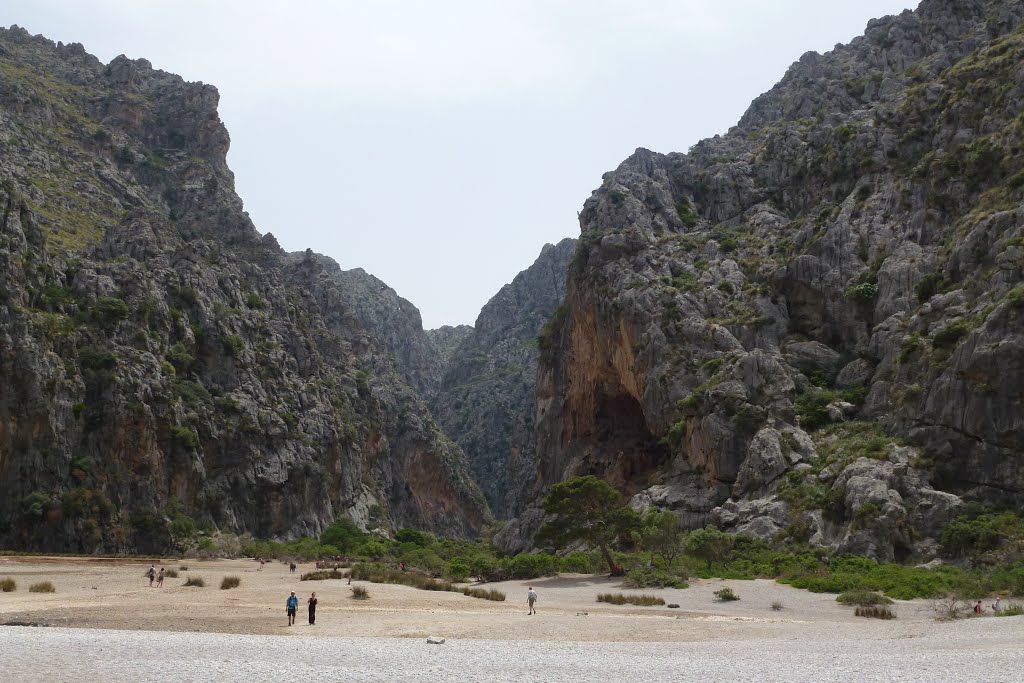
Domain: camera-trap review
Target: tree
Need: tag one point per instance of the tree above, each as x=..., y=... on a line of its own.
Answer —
x=709, y=544
x=660, y=534
x=587, y=509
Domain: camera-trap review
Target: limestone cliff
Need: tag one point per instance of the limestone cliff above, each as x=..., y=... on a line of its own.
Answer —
x=485, y=401
x=754, y=328
x=159, y=358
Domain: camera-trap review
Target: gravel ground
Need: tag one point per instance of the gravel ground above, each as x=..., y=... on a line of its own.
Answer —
x=982, y=649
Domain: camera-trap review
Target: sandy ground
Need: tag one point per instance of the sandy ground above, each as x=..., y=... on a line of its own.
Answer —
x=570, y=630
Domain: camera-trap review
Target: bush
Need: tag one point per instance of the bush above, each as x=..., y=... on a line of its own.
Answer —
x=950, y=607
x=196, y=581
x=877, y=612
x=360, y=593
x=110, y=309
x=344, y=535
x=233, y=345
x=497, y=596
x=8, y=585
x=864, y=292
x=42, y=587
x=183, y=567
x=457, y=571
x=862, y=598
x=323, y=575
x=532, y=566
x=229, y=582
x=726, y=595
x=950, y=335
x=620, y=599
x=185, y=437
x=171, y=573
x=648, y=577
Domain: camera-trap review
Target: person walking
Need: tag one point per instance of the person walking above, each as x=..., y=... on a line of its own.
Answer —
x=160, y=578
x=293, y=607
x=151, y=574
x=531, y=599
x=997, y=607
x=312, y=609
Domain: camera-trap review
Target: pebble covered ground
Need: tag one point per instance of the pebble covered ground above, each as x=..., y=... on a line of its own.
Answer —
x=981, y=650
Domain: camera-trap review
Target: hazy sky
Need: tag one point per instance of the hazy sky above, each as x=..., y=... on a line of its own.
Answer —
x=440, y=144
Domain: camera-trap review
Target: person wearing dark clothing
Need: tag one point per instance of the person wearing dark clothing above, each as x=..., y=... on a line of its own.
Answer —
x=312, y=609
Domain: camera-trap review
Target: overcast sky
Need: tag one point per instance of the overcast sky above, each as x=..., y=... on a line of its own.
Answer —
x=439, y=145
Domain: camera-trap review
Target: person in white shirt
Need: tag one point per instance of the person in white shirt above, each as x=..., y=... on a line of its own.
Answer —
x=531, y=598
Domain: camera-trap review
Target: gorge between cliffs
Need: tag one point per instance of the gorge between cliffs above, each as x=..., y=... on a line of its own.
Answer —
x=808, y=330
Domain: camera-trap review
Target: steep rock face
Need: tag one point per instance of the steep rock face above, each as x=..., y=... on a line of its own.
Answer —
x=159, y=357
x=850, y=250
x=486, y=399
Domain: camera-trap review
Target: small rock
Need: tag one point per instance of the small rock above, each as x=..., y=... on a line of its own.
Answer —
x=435, y=640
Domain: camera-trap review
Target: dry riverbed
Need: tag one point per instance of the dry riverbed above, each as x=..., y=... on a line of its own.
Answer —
x=571, y=638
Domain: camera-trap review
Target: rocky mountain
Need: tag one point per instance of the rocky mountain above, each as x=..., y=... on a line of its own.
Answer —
x=485, y=401
x=161, y=361
x=811, y=327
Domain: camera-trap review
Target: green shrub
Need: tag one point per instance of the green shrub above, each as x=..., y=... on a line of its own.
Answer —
x=93, y=358
x=457, y=571
x=196, y=581
x=344, y=535
x=233, y=345
x=360, y=593
x=876, y=612
x=229, y=582
x=863, y=292
x=532, y=566
x=862, y=598
x=950, y=335
x=253, y=300
x=42, y=587
x=686, y=213
x=185, y=437
x=726, y=595
x=8, y=585
x=180, y=357
x=110, y=309
x=620, y=599
x=420, y=538
x=648, y=577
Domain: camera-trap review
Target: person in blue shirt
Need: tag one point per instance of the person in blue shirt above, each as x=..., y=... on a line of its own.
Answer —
x=293, y=606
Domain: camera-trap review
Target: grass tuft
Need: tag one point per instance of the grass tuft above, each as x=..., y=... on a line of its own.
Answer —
x=360, y=593
x=229, y=582
x=42, y=587
x=8, y=585
x=323, y=575
x=620, y=599
x=875, y=612
x=171, y=573
x=195, y=581
x=494, y=595
x=776, y=606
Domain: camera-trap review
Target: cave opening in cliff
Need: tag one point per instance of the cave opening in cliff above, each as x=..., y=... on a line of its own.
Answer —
x=632, y=453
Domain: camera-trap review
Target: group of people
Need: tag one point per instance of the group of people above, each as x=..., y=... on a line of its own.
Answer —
x=155, y=576
x=292, y=607
x=997, y=607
